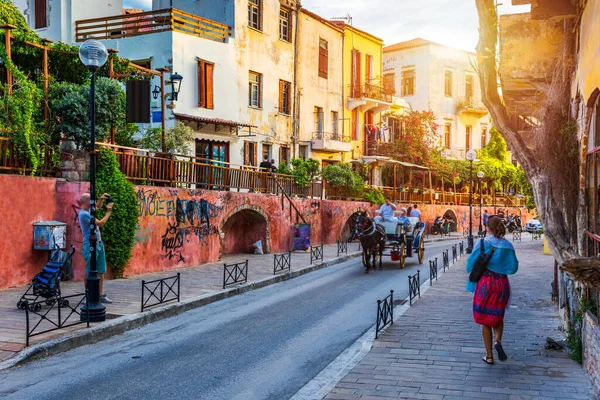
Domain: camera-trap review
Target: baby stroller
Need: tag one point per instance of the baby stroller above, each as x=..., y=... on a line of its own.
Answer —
x=46, y=283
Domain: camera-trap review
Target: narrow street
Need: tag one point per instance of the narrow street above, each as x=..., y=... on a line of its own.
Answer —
x=265, y=344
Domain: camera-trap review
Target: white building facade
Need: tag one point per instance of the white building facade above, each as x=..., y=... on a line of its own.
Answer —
x=434, y=77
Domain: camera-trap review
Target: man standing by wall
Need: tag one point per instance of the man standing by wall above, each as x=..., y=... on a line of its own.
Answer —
x=415, y=213
x=85, y=220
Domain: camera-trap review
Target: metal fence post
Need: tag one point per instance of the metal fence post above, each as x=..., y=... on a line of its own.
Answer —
x=178, y=286
x=392, y=305
x=143, y=287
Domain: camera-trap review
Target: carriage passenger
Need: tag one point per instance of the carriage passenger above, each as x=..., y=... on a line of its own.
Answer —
x=403, y=219
x=386, y=212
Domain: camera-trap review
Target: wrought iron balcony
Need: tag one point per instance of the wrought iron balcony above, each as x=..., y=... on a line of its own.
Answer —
x=471, y=105
x=373, y=92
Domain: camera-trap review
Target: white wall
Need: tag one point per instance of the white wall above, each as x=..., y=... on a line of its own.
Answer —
x=431, y=62
x=62, y=15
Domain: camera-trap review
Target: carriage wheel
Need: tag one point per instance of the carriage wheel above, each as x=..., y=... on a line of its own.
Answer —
x=403, y=256
x=421, y=250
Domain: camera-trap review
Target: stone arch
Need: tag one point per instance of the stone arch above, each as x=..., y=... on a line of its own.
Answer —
x=452, y=216
x=242, y=227
x=345, y=233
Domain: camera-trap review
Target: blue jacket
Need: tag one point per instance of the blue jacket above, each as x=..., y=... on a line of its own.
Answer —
x=504, y=261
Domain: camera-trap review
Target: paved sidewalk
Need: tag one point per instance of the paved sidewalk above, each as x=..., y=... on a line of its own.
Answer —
x=126, y=293
x=434, y=350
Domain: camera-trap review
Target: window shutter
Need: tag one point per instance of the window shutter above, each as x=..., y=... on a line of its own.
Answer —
x=281, y=96
x=246, y=153
x=323, y=62
x=201, y=85
x=40, y=14
x=255, y=147
x=209, y=86
x=138, y=101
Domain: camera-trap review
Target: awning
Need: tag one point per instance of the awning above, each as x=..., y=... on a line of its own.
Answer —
x=213, y=121
x=409, y=165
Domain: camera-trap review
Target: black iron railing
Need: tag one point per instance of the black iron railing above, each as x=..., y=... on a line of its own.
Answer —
x=235, y=273
x=433, y=271
x=454, y=254
x=414, y=286
x=385, y=313
x=342, y=247
x=445, y=260
x=461, y=247
x=282, y=262
x=160, y=291
x=53, y=318
x=316, y=253
x=516, y=236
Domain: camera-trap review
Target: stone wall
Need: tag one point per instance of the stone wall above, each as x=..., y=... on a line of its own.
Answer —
x=591, y=349
x=74, y=164
x=176, y=227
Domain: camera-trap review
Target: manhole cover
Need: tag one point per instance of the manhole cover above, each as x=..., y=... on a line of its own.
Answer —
x=399, y=302
x=112, y=316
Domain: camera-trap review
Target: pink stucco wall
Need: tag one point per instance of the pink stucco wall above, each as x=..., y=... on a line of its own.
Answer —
x=176, y=228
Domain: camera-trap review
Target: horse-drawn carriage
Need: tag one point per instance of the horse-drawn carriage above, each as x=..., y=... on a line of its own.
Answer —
x=401, y=241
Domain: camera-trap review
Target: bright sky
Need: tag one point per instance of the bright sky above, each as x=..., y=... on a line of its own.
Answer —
x=450, y=22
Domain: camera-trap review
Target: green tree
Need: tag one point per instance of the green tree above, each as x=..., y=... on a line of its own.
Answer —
x=177, y=139
x=69, y=110
x=342, y=175
x=119, y=231
x=305, y=171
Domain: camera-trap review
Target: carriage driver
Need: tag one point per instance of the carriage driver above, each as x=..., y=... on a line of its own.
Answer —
x=386, y=212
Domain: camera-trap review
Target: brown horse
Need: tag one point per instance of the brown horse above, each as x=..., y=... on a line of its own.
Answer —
x=372, y=239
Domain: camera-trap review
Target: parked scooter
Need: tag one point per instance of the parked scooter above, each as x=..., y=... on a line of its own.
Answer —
x=513, y=223
x=438, y=225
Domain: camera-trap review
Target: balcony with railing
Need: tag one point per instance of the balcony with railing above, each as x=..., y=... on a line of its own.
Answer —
x=369, y=96
x=144, y=23
x=331, y=142
x=471, y=105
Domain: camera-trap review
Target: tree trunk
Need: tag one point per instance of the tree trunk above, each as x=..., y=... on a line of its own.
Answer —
x=556, y=224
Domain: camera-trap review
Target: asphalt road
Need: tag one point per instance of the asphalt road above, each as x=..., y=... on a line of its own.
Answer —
x=264, y=344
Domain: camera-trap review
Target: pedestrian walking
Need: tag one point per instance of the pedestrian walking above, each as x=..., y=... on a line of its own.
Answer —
x=85, y=221
x=485, y=218
x=489, y=267
x=415, y=213
x=273, y=166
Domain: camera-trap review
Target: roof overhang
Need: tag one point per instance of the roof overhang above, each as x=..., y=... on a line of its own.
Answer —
x=219, y=124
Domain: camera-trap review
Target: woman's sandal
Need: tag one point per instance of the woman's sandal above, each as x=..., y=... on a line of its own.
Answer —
x=501, y=354
x=488, y=360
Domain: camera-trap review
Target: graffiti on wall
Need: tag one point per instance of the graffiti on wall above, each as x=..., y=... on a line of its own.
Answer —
x=188, y=220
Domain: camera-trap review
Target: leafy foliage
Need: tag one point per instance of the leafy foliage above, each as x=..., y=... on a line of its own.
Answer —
x=374, y=196
x=177, y=139
x=305, y=171
x=119, y=231
x=284, y=168
x=342, y=175
x=69, y=109
x=419, y=138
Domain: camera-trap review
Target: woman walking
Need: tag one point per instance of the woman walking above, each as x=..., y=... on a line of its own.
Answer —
x=492, y=291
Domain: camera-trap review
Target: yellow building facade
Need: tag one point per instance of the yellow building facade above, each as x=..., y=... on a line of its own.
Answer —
x=365, y=97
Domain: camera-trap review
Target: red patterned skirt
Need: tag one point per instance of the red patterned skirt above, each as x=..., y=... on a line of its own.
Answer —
x=491, y=299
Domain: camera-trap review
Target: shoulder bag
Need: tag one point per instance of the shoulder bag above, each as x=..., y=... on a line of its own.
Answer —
x=481, y=263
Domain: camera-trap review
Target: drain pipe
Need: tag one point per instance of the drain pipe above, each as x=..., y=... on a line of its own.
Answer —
x=295, y=119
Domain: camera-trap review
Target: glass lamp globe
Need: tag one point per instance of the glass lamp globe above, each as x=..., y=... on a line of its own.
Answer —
x=93, y=54
x=471, y=155
x=480, y=174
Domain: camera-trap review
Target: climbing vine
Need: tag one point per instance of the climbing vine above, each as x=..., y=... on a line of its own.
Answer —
x=119, y=231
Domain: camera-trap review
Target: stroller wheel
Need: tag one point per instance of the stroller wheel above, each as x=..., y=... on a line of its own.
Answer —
x=50, y=302
x=64, y=303
x=21, y=304
x=35, y=307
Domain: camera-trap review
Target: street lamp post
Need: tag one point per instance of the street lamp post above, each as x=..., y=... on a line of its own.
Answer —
x=93, y=55
x=471, y=157
x=480, y=175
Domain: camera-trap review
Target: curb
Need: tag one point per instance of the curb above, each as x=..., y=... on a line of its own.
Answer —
x=129, y=322
x=326, y=380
